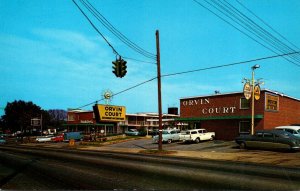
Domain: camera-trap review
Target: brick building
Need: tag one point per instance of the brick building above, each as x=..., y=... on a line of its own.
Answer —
x=229, y=115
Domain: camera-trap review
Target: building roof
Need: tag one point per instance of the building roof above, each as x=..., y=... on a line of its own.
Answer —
x=230, y=93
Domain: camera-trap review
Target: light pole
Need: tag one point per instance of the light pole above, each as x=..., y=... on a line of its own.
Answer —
x=253, y=84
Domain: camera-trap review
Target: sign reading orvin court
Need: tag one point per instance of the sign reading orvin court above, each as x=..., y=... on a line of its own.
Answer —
x=208, y=106
x=111, y=112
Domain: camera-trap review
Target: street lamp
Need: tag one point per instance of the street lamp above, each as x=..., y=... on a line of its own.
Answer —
x=252, y=83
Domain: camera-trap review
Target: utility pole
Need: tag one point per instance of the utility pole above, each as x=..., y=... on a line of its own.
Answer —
x=159, y=91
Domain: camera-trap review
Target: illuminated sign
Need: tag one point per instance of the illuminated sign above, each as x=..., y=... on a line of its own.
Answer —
x=110, y=112
x=272, y=102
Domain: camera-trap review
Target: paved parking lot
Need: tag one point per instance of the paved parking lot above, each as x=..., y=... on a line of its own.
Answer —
x=228, y=146
x=215, y=150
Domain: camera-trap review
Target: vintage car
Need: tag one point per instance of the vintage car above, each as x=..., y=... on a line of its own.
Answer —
x=58, y=138
x=168, y=136
x=269, y=139
x=42, y=139
x=2, y=140
x=132, y=132
x=295, y=130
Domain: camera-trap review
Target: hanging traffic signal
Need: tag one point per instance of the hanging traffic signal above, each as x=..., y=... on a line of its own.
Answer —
x=116, y=68
x=119, y=67
x=123, y=67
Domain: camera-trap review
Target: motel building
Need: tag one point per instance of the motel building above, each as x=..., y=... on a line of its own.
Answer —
x=113, y=120
x=229, y=114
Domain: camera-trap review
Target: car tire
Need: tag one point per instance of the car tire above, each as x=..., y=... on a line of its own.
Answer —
x=243, y=145
x=212, y=138
x=197, y=140
x=169, y=141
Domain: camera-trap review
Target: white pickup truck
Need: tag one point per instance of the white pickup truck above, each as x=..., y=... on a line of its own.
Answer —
x=196, y=135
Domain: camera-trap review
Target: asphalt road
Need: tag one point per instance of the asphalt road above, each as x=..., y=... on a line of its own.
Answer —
x=48, y=168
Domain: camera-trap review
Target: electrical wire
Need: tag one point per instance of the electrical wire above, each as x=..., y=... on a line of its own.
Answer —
x=267, y=24
x=116, y=32
x=114, y=50
x=248, y=27
x=257, y=29
x=196, y=70
x=248, y=35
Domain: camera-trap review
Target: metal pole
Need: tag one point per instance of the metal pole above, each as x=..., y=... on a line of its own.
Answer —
x=252, y=115
x=159, y=91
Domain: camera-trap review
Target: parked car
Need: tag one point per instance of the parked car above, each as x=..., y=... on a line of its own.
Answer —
x=2, y=140
x=168, y=136
x=58, y=138
x=197, y=135
x=295, y=130
x=269, y=139
x=132, y=132
x=42, y=139
x=77, y=136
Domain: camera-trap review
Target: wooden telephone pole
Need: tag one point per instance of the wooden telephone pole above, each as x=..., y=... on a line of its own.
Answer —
x=159, y=91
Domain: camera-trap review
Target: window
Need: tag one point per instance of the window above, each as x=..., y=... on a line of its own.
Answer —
x=245, y=103
x=245, y=127
x=270, y=135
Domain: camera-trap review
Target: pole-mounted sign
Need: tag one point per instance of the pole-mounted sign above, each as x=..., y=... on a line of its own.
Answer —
x=247, y=90
x=256, y=92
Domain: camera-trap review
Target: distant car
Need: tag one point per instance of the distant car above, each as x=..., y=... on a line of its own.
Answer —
x=168, y=136
x=2, y=140
x=269, y=139
x=295, y=130
x=58, y=138
x=43, y=139
x=132, y=132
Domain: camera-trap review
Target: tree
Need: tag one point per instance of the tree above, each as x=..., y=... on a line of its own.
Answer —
x=18, y=115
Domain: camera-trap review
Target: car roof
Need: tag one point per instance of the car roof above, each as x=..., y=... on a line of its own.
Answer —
x=272, y=131
x=288, y=127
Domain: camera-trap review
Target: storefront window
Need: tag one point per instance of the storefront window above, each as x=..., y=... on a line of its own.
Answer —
x=245, y=127
x=245, y=103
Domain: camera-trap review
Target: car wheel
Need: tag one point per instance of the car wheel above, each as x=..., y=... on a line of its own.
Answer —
x=197, y=140
x=243, y=145
x=212, y=138
x=169, y=141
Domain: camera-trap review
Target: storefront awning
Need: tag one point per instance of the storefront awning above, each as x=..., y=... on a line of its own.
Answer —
x=218, y=118
x=88, y=124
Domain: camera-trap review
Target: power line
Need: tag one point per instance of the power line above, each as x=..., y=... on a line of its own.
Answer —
x=260, y=31
x=116, y=32
x=196, y=70
x=232, y=64
x=267, y=24
x=119, y=92
x=114, y=50
x=205, y=7
x=248, y=27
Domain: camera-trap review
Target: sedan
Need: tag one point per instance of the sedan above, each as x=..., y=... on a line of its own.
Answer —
x=168, y=136
x=2, y=140
x=269, y=139
x=43, y=139
x=131, y=132
x=58, y=138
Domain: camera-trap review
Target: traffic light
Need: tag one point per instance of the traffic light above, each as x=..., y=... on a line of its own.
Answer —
x=123, y=67
x=116, y=68
x=119, y=67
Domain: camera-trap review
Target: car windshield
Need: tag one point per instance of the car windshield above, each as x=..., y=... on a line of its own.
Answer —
x=165, y=132
x=298, y=131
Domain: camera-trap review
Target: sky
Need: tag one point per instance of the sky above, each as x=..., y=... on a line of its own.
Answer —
x=51, y=55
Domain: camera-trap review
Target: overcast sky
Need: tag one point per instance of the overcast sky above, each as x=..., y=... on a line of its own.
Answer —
x=51, y=55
